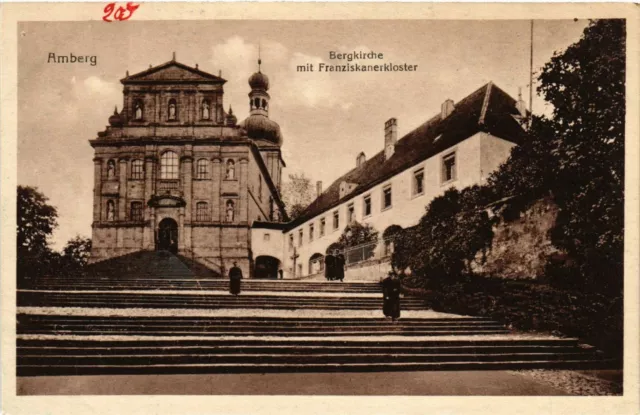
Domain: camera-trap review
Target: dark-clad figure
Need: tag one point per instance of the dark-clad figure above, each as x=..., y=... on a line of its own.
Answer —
x=280, y=274
x=235, y=278
x=339, y=273
x=391, y=296
x=329, y=267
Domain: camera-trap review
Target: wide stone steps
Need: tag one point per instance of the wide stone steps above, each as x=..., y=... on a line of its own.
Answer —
x=142, y=283
x=82, y=357
x=228, y=326
x=199, y=301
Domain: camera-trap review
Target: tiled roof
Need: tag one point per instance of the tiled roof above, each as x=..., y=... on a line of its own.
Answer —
x=488, y=109
x=172, y=71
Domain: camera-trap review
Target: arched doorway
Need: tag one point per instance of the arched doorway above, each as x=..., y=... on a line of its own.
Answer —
x=266, y=267
x=316, y=263
x=168, y=235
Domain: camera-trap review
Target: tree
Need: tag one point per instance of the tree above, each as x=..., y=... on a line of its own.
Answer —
x=448, y=237
x=77, y=252
x=36, y=222
x=297, y=194
x=586, y=85
x=356, y=234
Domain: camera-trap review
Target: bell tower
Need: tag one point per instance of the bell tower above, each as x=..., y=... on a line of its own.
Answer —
x=259, y=97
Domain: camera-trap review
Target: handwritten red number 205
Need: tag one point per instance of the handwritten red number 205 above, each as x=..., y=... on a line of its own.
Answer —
x=121, y=13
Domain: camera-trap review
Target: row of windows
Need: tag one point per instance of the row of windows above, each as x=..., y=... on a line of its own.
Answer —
x=202, y=211
x=172, y=110
x=169, y=168
x=448, y=174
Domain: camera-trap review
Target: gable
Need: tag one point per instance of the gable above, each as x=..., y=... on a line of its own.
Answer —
x=173, y=72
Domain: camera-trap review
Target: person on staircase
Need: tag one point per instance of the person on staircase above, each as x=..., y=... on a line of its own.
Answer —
x=391, y=296
x=329, y=267
x=340, y=267
x=235, y=278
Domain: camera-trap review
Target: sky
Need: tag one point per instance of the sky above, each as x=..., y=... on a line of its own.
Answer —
x=326, y=118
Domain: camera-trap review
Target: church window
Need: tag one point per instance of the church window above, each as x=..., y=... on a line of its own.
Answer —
x=202, y=211
x=137, y=110
x=386, y=197
x=111, y=169
x=300, y=236
x=206, y=110
x=271, y=209
x=336, y=220
x=169, y=166
x=231, y=170
x=230, y=212
x=418, y=182
x=311, y=229
x=449, y=167
x=136, y=211
x=202, y=169
x=137, y=169
x=173, y=110
x=256, y=103
x=366, y=210
x=111, y=210
x=351, y=213
x=264, y=104
x=322, y=226
x=260, y=187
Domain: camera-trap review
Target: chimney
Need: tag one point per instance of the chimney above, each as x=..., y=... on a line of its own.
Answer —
x=446, y=109
x=390, y=137
x=318, y=188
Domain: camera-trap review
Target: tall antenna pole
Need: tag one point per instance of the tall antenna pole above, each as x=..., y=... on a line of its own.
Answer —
x=531, y=77
x=259, y=56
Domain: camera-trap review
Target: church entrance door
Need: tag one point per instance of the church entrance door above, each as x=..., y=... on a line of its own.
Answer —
x=168, y=235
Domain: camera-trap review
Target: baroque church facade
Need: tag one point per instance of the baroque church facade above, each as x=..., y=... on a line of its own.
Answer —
x=174, y=171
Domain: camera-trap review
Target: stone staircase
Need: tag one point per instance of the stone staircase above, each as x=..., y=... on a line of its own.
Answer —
x=166, y=319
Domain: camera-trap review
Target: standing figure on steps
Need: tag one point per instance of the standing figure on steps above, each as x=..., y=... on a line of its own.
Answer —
x=340, y=267
x=235, y=278
x=329, y=267
x=391, y=296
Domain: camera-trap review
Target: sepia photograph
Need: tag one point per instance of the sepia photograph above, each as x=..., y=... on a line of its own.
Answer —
x=334, y=207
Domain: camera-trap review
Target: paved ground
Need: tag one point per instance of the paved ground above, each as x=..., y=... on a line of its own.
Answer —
x=468, y=383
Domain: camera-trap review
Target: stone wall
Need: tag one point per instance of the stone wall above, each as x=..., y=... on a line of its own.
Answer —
x=521, y=244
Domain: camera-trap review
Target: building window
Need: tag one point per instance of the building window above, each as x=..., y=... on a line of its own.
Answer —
x=169, y=166
x=267, y=237
x=202, y=211
x=366, y=208
x=311, y=229
x=137, y=110
x=111, y=169
x=230, y=211
x=386, y=197
x=290, y=241
x=336, y=220
x=202, y=169
x=418, y=182
x=449, y=167
x=111, y=210
x=173, y=110
x=136, y=211
x=351, y=213
x=137, y=169
x=300, y=237
x=322, y=225
x=231, y=170
x=206, y=110
x=260, y=187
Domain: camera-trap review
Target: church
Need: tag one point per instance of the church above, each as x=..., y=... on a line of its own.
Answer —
x=174, y=171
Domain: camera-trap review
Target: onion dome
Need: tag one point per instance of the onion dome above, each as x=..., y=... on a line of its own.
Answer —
x=259, y=81
x=260, y=127
x=115, y=120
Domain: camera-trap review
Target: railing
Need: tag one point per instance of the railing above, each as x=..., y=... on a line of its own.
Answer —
x=379, y=249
